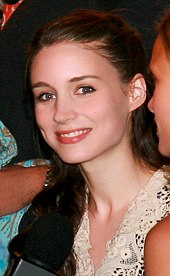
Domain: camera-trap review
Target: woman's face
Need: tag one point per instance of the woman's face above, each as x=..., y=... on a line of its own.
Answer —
x=160, y=102
x=80, y=107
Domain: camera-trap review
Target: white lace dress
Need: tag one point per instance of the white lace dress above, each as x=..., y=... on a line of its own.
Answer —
x=124, y=255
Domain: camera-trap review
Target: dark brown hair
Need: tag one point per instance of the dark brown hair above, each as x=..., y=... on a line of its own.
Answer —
x=120, y=44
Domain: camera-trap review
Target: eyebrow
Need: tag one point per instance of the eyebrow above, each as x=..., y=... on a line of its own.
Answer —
x=75, y=79
x=40, y=84
x=83, y=78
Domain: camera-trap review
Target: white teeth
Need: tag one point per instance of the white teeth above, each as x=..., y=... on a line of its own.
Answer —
x=74, y=133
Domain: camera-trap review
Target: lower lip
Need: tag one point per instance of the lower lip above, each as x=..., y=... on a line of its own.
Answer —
x=72, y=140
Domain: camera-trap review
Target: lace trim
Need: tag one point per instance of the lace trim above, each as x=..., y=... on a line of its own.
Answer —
x=125, y=250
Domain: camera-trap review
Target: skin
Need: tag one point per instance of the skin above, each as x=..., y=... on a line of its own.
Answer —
x=83, y=111
x=157, y=249
x=157, y=245
x=159, y=104
x=102, y=112
x=28, y=181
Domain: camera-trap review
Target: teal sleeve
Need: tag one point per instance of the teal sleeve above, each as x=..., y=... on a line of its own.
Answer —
x=8, y=146
x=9, y=223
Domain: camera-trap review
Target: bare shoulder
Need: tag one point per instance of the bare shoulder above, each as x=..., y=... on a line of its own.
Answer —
x=157, y=249
x=160, y=233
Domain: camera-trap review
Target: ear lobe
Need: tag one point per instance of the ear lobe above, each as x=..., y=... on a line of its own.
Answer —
x=138, y=92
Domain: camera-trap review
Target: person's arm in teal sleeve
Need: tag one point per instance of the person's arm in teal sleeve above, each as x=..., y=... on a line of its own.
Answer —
x=18, y=185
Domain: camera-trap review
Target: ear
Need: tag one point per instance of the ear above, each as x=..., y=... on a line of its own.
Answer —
x=137, y=95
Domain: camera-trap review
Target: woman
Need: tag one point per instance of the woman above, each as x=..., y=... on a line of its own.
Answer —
x=88, y=75
x=157, y=249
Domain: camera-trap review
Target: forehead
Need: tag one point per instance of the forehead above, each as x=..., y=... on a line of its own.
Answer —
x=73, y=59
x=159, y=59
x=156, y=52
x=68, y=51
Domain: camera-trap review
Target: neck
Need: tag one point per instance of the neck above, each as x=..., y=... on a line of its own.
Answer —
x=113, y=184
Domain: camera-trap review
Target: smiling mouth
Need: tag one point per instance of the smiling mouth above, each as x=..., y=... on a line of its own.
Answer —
x=74, y=133
x=72, y=136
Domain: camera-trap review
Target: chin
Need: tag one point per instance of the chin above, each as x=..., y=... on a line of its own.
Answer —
x=72, y=159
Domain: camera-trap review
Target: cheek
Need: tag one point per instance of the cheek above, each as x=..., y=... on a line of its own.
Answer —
x=161, y=103
x=114, y=117
x=162, y=91
x=42, y=118
x=119, y=110
x=112, y=105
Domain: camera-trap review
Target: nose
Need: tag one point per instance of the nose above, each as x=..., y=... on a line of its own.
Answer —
x=64, y=111
x=150, y=105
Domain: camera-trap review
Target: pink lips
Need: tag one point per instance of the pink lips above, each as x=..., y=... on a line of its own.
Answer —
x=72, y=136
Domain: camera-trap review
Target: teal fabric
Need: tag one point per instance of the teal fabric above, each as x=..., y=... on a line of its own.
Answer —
x=8, y=146
x=8, y=229
x=9, y=223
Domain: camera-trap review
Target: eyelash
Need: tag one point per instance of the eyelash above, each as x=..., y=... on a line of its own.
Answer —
x=83, y=90
x=43, y=97
x=87, y=90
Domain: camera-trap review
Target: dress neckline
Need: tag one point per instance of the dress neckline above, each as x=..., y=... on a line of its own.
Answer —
x=134, y=210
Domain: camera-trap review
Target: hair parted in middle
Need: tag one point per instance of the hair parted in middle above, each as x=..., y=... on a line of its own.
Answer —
x=121, y=46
